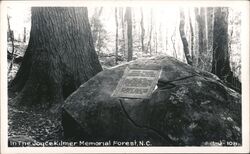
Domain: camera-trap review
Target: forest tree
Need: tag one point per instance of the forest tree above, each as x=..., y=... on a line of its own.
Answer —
x=59, y=58
x=221, y=58
x=128, y=18
x=183, y=37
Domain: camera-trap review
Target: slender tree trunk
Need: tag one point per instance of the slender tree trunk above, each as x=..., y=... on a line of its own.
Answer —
x=24, y=35
x=166, y=40
x=59, y=58
x=142, y=31
x=123, y=31
x=116, y=38
x=210, y=22
x=156, y=42
x=173, y=43
x=192, y=38
x=96, y=28
x=183, y=38
x=196, y=39
x=129, y=33
x=202, y=38
x=150, y=32
x=11, y=35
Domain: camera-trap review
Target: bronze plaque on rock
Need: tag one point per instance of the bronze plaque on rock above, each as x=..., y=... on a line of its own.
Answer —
x=137, y=83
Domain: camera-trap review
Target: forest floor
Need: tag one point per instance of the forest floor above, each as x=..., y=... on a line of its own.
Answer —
x=38, y=125
x=29, y=124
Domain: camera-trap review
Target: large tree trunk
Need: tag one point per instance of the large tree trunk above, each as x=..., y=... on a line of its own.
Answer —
x=221, y=58
x=129, y=33
x=183, y=38
x=59, y=58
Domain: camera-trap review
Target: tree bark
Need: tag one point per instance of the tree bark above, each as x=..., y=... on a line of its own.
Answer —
x=221, y=58
x=183, y=38
x=59, y=58
x=116, y=37
x=129, y=33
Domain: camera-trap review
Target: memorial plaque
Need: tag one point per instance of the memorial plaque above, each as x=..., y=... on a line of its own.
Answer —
x=137, y=83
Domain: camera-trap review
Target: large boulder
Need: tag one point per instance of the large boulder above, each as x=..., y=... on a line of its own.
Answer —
x=189, y=107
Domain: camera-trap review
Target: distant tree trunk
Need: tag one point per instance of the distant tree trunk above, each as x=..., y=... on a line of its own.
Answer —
x=192, y=38
x=156, y=42
x=24, y=35
x=116, y=37
x=150, y=32
x=59, y=58
x=221, y=58
x=173, y=43
x=123, y=31
x=196, y=38
x=166, y=40
x=96, y=28
x=183, y=38
x=11, y=37
x=142, y=32
x=210, y=23
x=202, y=38
x=129, y=33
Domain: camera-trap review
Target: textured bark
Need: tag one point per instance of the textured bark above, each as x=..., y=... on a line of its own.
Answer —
x=221, y=57
x=142, y=31
x=116, y=37
x=129, y=33
x=220, y=43
x=59, y=58
x=183, y=38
